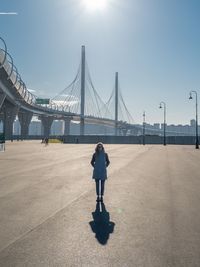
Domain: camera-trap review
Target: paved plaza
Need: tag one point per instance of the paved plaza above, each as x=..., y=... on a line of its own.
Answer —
x=49, y=217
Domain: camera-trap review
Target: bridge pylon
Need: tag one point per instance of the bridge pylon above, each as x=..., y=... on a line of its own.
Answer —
x=82, y=122
x=116, y=102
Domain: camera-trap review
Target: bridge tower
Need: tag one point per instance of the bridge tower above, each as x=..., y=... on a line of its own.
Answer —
x=82, y=122
x=116, y=102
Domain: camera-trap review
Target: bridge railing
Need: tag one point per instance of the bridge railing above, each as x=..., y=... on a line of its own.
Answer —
x=14, y=77
x=17, y=83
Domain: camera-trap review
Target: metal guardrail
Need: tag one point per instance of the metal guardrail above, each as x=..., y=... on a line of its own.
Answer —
x=6, y=62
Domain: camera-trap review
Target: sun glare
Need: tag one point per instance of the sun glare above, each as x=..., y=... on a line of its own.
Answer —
x=93, y=5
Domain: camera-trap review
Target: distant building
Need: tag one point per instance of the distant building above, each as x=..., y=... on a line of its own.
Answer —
x=35, y=128
x=57, y=127
x=16, y=127
x=91, y=129
x=192, y=123
x=156, y=126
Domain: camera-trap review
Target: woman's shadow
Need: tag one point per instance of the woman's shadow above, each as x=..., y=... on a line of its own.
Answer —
x=101, y=224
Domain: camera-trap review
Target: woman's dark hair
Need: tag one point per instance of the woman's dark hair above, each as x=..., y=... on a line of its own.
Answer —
x=97, y=146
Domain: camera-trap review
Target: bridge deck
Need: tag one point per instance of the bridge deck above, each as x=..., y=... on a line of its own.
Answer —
x=47, y=198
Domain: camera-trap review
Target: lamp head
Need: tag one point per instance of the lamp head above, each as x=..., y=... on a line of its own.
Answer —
x=190, y=96
x=160, y=106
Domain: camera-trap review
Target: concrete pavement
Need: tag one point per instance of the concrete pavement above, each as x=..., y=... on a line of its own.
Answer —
x=49, y=216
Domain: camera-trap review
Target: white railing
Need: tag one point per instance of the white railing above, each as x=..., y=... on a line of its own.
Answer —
x=15, y=78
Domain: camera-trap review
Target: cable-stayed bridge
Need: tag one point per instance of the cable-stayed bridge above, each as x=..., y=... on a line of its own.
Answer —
x=81, y=98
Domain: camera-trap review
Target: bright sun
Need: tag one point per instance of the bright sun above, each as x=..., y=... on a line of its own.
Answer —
x=95, y=4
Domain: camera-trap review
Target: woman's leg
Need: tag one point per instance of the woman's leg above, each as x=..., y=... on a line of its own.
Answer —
x=102, y=187
x=97, y=187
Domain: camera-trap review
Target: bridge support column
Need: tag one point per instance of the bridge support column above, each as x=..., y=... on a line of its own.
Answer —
x=67, y=126
x=2, y=98
x=117, y=130
x=10, y=113
x=24, y=119
x=46, y=125
x=82, y=127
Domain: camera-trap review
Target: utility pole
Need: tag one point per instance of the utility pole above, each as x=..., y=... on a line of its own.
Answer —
x=163, y=104
x=144, y=124
x=197, y=135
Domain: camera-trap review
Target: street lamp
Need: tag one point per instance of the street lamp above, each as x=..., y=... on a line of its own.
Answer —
x=162, y=104
x=144, y=127
x=197, y=137
x=4, y=127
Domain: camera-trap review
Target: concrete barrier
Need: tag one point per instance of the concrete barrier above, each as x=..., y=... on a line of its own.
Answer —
x=106, y=139
x=151, y=139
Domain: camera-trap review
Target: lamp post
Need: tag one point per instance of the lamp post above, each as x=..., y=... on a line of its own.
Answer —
x=4, y=127
x=197, y=137
x=144, y=127
x=162, y=104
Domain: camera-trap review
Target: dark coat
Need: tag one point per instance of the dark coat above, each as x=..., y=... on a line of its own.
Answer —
x=100, y=162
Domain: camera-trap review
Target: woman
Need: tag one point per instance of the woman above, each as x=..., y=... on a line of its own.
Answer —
x=100, y=162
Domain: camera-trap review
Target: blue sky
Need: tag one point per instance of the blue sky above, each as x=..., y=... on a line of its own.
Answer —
x=153, y=44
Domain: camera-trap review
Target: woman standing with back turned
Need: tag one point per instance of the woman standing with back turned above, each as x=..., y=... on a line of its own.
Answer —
x=100, y=162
